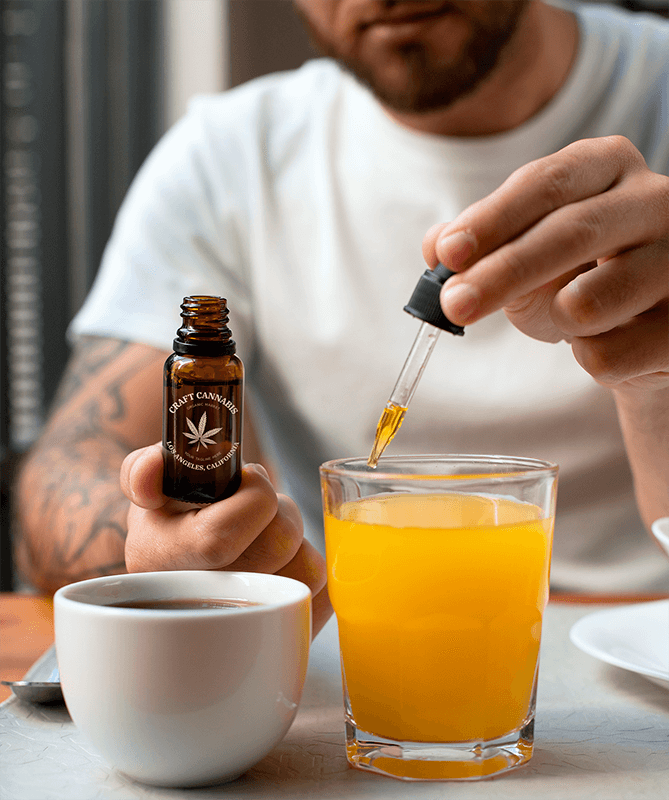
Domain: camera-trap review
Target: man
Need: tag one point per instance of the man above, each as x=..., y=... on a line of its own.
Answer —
x=303, y=199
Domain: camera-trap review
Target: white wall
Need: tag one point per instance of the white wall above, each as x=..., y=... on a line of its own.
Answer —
x=195, y=52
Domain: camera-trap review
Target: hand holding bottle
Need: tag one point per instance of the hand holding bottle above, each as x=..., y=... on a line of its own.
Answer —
x=254, y=530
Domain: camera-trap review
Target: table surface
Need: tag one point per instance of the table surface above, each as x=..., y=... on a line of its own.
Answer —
x=26, y=625
x=602, y=733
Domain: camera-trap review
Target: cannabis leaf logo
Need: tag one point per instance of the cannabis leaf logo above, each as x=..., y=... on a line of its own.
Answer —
x=200, y=435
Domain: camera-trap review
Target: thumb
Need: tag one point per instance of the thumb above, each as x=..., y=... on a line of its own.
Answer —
x=142, y=477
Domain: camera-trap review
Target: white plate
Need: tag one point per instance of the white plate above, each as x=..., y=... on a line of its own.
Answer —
x=660, y=530
x=634, y=637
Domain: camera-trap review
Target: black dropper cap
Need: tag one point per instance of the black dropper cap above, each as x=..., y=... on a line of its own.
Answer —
x=424, y=302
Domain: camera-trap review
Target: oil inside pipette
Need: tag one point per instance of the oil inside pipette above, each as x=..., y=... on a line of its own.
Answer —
x=424, y=304
x=389, y=424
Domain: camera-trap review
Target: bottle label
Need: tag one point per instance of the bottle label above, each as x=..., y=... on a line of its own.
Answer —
x=203, y=430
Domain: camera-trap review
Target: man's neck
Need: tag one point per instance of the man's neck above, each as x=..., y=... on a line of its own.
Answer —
x=531, y=70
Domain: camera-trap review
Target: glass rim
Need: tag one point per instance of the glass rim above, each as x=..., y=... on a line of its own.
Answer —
x=526, y=466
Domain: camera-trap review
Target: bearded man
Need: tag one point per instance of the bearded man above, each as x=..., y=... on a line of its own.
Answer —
x=526, y=147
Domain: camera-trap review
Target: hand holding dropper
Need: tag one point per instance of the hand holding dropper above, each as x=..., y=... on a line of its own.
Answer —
x=424, y=304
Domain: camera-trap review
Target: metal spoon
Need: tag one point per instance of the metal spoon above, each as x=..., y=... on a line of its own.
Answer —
x=42, y=683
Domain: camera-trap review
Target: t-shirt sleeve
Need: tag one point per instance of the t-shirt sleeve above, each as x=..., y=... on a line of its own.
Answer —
x=178, y=232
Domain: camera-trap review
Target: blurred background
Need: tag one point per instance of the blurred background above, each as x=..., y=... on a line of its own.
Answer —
x=88, y=86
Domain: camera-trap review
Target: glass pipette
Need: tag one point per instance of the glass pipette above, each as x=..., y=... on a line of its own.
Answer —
x=424, y=304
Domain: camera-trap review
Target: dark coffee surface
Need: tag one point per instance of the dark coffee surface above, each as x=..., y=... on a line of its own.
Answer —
x=185, y=603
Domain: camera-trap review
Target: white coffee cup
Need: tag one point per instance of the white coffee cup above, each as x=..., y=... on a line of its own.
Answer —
x=183, y=698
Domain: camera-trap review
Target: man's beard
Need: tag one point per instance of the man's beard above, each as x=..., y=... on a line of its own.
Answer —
x=430, y=83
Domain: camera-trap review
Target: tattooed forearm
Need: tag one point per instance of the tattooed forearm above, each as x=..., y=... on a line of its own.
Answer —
x=72, y=513
x=116, y=395
x=80, y=506
x=91, y=355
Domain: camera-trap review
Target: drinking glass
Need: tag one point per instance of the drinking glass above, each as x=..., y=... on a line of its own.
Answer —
x=438, y=570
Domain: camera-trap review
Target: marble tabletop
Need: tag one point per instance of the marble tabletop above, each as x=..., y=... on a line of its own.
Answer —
x=602, y=733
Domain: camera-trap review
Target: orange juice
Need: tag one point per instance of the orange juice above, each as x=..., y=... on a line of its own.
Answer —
x=439, y=601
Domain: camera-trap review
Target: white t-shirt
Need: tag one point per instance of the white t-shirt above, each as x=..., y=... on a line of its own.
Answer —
x=299, y=200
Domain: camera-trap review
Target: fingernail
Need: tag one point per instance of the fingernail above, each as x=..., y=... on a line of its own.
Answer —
x=455, y=248
x=260, y=469
x=460, y=303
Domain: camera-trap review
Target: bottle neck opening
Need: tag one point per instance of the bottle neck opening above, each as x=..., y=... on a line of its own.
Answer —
x=204, y=329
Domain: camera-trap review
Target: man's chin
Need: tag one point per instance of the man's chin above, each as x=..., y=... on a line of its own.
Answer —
x=409, y=86
x=424, y=64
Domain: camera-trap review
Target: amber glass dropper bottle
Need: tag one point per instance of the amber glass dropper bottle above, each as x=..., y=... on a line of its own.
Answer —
x=203, y=406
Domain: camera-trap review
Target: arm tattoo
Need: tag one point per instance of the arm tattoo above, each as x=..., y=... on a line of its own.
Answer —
x=82, y=506
x=76, y=463
x=92, y=353
x=114, y=392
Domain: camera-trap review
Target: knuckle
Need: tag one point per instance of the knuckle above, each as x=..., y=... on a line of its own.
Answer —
x=322, y=577
x=270, y=551
x=658, y=200
x=319, y=580
x=315, y=569
x=255, y=498
x=616, y=143
x=621, y=149
x=513, y=265
x=308, y=566
x=585, y=232
x=597, y=360
x=268, y=503
x=287, y=529
x=554, y=179
x=289, y=512
x=580, y=308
